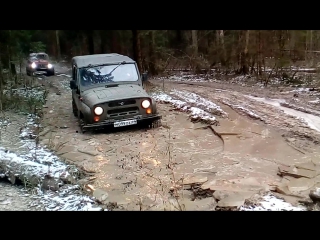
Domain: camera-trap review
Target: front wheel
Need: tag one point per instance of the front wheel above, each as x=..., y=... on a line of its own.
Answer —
x=74, y=109
x=156, y=123
x=50, y=72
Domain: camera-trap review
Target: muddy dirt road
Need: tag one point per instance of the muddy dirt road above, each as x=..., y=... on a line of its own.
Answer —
x=141, y=169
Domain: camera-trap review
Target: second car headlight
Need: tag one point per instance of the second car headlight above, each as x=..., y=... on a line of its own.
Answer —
x=145, y=103
x=50, y=65
x=33, y=65
x=98, y=110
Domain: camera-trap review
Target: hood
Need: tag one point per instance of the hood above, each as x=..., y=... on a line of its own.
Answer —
x=102, y=94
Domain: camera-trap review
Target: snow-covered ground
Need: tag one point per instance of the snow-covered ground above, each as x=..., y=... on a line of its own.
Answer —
x=272, y=203
x=200, y=102
x=195, y=113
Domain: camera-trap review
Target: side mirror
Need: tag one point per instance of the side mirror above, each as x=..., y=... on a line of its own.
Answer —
x=73, y=84
x=144, y=77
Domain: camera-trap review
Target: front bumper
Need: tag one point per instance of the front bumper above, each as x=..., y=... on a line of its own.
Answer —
x=41, y=69
x=111, y=123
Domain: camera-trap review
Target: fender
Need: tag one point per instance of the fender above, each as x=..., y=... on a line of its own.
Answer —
x=86, y=112
x=154, y=106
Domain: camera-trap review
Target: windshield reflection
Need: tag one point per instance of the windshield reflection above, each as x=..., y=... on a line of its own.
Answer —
x=101, y=74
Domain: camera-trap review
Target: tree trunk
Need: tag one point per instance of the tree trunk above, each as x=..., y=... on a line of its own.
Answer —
x=244, y=55
x=58, y=45
x=90, y=40
x=259, y=62
x=222, y=48
x=1, y=85
x=103, y=41
x=292, y=45
x=136, y=48
x=179, y=41
x=311, y=47
x=194, y=36
x=152, y=56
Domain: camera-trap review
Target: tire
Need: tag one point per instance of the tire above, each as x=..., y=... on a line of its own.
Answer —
x=152, y=124
x=81, y=123
x=74, y=109
x=50, y=73
x=156, y=123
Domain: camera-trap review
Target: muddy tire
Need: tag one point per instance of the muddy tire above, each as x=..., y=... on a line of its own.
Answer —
x=50, y=73
x=81, y=124
x=156, y=123
x=74, y=109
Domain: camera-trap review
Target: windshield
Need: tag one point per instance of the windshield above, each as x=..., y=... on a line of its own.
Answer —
x=101, y=74
x=42, y=56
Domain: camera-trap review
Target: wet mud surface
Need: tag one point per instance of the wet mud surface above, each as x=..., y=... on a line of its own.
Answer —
x=139, y=168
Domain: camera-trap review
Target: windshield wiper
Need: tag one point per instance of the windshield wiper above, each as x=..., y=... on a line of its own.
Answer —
x=111, y=85
x=116, y=68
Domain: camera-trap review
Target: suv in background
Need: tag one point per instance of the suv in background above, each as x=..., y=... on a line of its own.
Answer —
x=39, y=62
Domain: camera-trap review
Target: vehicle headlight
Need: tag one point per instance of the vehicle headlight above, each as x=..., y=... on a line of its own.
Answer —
x=50, y=65
x=33, y=65
x=145, y=103
x=98, y=110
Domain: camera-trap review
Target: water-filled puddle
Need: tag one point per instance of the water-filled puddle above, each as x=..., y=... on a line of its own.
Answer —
x=312, y=121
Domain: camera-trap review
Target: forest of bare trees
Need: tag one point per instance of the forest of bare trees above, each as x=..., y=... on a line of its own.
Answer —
x=241, y=51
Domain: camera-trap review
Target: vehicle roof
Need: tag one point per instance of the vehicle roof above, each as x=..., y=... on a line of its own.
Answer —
x=99, y=59
x=32, y=54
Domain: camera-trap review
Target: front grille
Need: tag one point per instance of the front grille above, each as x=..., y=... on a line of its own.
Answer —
x=123, y=111
x=122, y=103
x=42, y=66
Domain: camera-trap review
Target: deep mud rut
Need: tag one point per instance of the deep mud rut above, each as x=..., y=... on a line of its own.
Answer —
x=138, y=168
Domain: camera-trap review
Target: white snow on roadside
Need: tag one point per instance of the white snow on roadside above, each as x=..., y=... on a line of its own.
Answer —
x=317, y=101
x=242, y=109
x=67, y=199
x=194, y=112
x=272, y=203
x=200, y=102
x=63, y=75
x=36, y=92
x=39, y=161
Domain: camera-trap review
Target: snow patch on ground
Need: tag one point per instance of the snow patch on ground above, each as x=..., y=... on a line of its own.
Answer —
x=63, y=75
x=68, y=198
x=272, y=203
x=194, y=112
x=200, y=102
x=242, y=109
x=317, y=101
x=35, y=92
